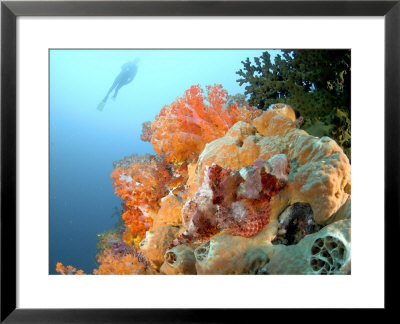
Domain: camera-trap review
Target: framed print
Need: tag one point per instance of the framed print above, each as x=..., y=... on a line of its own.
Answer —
x=160, y=158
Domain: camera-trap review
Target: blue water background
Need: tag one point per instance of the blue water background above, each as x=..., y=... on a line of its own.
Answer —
x=84, y=142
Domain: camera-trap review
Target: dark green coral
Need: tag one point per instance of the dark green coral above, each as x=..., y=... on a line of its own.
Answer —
x=316, y=83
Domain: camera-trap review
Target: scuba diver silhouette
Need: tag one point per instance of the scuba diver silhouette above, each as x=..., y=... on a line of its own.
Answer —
x=128, y=72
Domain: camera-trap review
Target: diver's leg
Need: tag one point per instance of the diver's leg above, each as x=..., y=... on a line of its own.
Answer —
x=111, y=89
x=116, y=90
x=116, y=82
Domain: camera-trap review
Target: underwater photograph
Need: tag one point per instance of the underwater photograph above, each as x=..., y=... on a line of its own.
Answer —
x=200, y=161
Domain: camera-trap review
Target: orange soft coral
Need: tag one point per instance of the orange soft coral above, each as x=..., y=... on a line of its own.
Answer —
x=127, y=265
x=68, y=270
x=182, y=129
x=141, y=181
x=122, y=258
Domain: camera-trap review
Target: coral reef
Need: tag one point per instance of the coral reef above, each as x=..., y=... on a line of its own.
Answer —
x=320, y=171
x=183, y=128
x=317, y=185
x=233, y=190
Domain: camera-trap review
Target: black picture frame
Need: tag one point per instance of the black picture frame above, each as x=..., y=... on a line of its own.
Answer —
x=10, y=10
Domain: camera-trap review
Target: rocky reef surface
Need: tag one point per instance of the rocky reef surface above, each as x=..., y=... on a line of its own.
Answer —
x=248, y=192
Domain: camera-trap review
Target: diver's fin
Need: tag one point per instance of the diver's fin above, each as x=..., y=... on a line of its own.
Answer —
x=101, y=106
